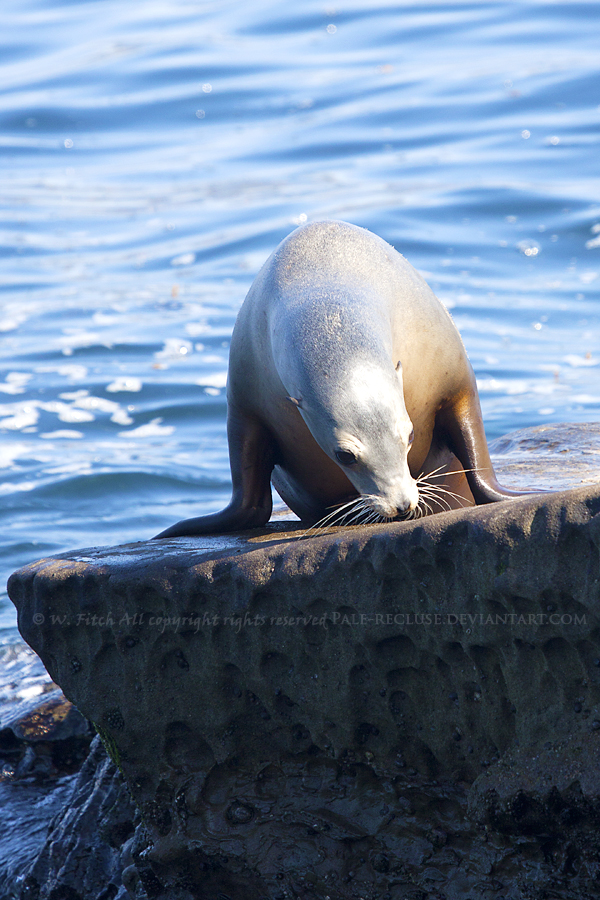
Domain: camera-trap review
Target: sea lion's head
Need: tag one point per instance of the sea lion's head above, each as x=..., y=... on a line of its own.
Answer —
x=359, y=418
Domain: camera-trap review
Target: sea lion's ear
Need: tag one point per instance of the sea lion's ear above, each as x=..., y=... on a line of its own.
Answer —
x=399, y=366
x=297, y=401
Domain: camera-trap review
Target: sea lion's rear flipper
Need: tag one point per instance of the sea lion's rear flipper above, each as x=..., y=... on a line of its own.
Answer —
x=461, y=424
x=251, y=452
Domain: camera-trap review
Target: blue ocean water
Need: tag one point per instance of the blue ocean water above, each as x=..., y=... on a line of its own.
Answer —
x=154, y=153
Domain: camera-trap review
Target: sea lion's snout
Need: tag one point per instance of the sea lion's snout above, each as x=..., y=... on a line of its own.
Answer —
x=403, y=508
x=396, y=504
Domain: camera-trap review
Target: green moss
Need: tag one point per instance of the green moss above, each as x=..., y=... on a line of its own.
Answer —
x=109, y=745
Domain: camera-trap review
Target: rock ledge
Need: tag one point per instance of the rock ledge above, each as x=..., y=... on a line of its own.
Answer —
x=276, y=704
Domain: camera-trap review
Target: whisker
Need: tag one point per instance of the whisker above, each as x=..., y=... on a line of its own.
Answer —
x=350, y=515
x=437, y=473
x=360, y=511
x=439, y=494
x=441, y=501
x=438, y=488
x=444, y=490
x=342, y=510
x=338, y=512
x=429, y=474
x=423, y=505
x=358, y=517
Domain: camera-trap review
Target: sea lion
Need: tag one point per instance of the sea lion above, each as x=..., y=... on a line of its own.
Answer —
x=350, y=389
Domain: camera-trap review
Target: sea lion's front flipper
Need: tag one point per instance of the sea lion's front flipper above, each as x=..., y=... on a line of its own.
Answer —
x=251, y=452
x=461, y=424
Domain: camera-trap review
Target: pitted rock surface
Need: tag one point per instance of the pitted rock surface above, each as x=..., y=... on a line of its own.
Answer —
x=277, y=703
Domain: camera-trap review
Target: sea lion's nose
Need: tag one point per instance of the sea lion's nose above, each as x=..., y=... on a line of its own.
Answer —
x=407, y=505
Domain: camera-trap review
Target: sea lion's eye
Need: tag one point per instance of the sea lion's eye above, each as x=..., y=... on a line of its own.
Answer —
x=346, y=457
x=411, y=437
